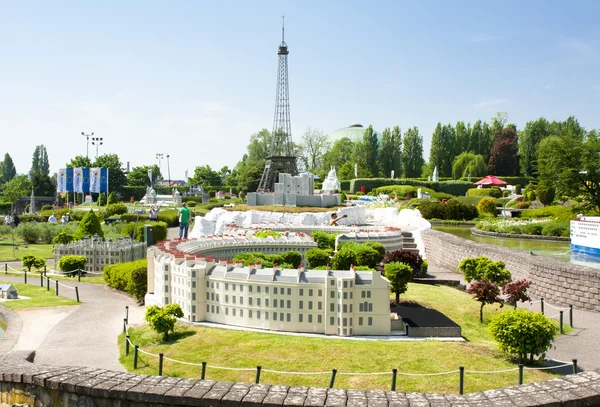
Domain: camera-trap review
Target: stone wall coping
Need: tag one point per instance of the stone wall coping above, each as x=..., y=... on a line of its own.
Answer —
x=581, y=389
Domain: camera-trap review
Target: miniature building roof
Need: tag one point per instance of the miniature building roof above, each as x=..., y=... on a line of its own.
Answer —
x=6, y=287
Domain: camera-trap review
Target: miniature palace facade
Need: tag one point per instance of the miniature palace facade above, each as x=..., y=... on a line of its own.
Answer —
x=331, y=302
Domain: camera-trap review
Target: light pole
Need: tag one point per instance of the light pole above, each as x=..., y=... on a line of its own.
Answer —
x=87, y=150
x=97, y=141
x=159, y=157
x=169, y=169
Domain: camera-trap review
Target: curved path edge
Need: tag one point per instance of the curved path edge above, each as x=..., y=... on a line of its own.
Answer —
x=13, y=330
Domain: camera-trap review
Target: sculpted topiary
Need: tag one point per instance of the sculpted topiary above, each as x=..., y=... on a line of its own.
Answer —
x=89, y=226
x=488, y=205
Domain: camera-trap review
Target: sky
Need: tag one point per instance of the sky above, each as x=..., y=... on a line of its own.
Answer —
x=195, y=79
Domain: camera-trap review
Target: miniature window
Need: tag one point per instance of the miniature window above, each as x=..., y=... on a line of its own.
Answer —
x=274, y=316
x=332, y=282
x=226, y=286
x=289, y=304
x=258, y=302
x=208, y=296
x=275, y=290
x=207, y=308
x=301, y=291
x=345, y=295
x=345, y=284
x=193, y=296
x=267, y=290
x=370, y=307
x=266, y=315
x=217, y=309
x=350, y=307
x=241, y=313
x=289, y=291
x=226, y=311
x=207, y=284
x=257, y=288
x=319, y=319
x=226, y=299
x=250, y=313
x=345, y=321
x=234, y=312
x=280, y=303
x=360, y=307
x=249, y=288
x=281, y=316
x=241, y=288
x=310, y=292
x=232, y=287
x=310, y=318
x=345, y=308
x=249, y=300
x=362, y=294
x=241, y=300
x=257, y=314
x=370, y=321
x=217, y=296
x=300, y=317
x=266, y=302
x=351, y=284
x=288, y=317
x=301, y=304
x=331, y=320
x=331, y=294
x=310, y=305
x=368, y=294
x=319, y=305
x=275, y=303
x=320, y=293
x=360, y=321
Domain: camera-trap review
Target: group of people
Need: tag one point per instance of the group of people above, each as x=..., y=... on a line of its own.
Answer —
x=63, y=220
x=12, y=220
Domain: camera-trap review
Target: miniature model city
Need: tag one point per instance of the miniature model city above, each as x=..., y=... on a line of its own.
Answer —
x=200, y=276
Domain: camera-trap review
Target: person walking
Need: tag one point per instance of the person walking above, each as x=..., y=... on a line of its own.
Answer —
x=153, y=213
x=52, y=219
x=184, y=221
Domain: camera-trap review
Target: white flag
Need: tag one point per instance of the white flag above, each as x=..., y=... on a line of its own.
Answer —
x=77, y=179
x=95, y=180
x=61, y=181
x=392, y=174
x=355, y=170
x=150, y=175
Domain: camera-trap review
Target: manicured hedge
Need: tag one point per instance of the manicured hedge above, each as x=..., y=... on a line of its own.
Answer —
x=160, y=230
x=345, y=185
x=451, y=210
x=493, y=192
x=168, y=216
x=130, y=277
x=456, y=188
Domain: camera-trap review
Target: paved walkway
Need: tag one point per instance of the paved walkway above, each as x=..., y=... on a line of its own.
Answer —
x=583, y=343
x=84, y=335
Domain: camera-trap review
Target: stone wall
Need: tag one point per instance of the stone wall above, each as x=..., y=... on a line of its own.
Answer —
x=45, y=386
x=558, y=282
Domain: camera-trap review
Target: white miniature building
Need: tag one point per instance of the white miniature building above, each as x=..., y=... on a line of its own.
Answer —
x=9, y=292
x=330, y=302
x=331, y=183
x=294, y=191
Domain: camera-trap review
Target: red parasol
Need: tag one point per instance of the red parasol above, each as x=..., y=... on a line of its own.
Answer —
x=491, y=180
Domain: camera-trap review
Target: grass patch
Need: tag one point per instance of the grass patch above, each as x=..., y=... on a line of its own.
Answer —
x=38, y=249
x=285, y=209
x=219, y=347
x=38, y=297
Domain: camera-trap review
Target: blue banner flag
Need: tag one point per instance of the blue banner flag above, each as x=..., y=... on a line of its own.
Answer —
x=95, y=180
x=104, y=180
x=69, y=179
x=85, y=186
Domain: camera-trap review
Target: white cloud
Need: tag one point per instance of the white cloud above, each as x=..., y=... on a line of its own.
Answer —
x=487, y=38
x=486, y=103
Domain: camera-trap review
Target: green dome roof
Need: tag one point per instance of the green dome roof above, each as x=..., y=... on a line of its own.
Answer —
x=354, y=132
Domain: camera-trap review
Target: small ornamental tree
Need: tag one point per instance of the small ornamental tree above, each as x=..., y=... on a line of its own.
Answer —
x=523, y=332
x=516, y=291
x=317, y=257
x=89, y=226
x=485, y=292
x=483, y=268
x=72, y=263
x=399, y=275
x=488, y=205
x=324, y=240
x=30, y=261
x=101, y=199
x=112, y=198
x=413, y=259
x=162, y=320
x=63, y=237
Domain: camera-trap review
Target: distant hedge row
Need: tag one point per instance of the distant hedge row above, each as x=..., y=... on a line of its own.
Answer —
x=131, y=277
x=456, y=188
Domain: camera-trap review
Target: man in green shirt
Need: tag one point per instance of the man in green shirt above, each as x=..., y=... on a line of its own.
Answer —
x=184, y=221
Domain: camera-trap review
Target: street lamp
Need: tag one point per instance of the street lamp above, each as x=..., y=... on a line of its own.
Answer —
x=87, y=136
x=169, y=169
x=97, y=141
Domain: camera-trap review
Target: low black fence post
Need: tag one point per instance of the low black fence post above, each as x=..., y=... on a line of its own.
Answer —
x=25, y=276
x=126, y=345
x=41, y=280
x=124, y=325
x=561, y=321
x=79, y=275
x=542, y=304
x=332, y=381
x=394, y=375
x=521, y=368
x=135, y=356
x=5, y=268
x=258, y=368
x=461, y=380
x=77, y=294
x=127, y=313
x=203, y=374
x=47, y=283
x=575, y=366
x=56, y=281
x=160, y=363
x=571, y=315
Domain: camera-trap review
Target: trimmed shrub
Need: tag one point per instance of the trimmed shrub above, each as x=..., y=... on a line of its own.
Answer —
x=451, y=210
x=63, y=237
x=29, y=232
x=491, y=192
x=89, y=226
x=48, y=231
x=160, y=230
x=72, y=263
x=558, y=213
x=413, y=259
x=32, y=218
x=162, y=320
x=377, y=247
x=533, y=228
x=130, y=277
x=555, y=229
x=343, y=198
x=545, y=192
x=529, y=193
x=112, y=198
x=456, y=188
x=115, y=209
x=317, y=257
x=30, y=261
x=483, y=268
x=191, y=204
x=46, y=207
x=522, y=205
x=522, y=332
x=101, y=199
x=399, y=275
x=293, y=258
x=324, y=240
x=344, y=259
x=488, y=205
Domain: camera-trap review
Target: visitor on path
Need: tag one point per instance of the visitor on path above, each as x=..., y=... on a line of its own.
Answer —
x=334, y=219
x=8, y=220
x=153, y=212
x=63, y=220
x=184, y=221
x=52, y=219
x=69, y=218
x=15, y=220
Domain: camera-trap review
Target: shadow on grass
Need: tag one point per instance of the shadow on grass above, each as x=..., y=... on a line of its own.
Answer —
x=177, y=336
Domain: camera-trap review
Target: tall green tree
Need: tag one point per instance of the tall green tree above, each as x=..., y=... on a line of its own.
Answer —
x=138, y=176
x=436, y=151
x=19, y=186
x=391, y=151
x=529, y=139
x=40, y=173
x=412, y=153
x=461, y=143
x=441, y=153
x=80, y=161
x=258, y=148
x=116, y=176
x=337, y=156
x=7, y=169
x=313, y=146
x=206, y=177
x=370, y=151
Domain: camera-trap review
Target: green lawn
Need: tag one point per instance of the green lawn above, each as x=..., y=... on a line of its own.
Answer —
x=220, y=347
x=39, y=249
x=38, y=297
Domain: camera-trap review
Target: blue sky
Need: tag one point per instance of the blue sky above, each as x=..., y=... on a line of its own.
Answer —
x=194, y=79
